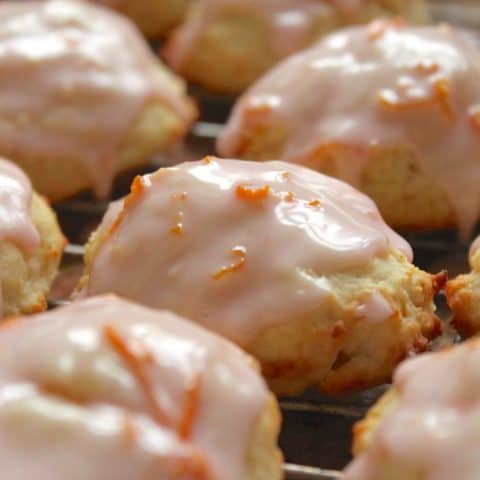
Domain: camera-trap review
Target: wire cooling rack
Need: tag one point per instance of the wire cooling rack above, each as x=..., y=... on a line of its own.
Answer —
x=316, y=433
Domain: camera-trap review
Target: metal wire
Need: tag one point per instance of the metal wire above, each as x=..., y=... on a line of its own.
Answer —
x=301, y=472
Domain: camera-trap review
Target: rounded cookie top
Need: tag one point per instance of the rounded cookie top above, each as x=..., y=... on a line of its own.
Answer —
x=108, y=389
x=436, y=412
x=74, y=79
x=16, y=224
x=236, y=245
x=377, y=86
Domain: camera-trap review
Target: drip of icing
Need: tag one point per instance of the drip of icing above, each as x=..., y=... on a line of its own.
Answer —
x=376, y=308
x=437, y=412
x=74, y=79
x=109, y=389
x=256, y=241
x=381, y=85
x=16, y=224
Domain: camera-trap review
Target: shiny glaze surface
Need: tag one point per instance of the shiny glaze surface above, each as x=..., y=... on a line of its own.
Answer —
x=74, y=79
x=437, y=412
x=16, y=224
x=378, y=86
x=237, y=246
x=104, y=388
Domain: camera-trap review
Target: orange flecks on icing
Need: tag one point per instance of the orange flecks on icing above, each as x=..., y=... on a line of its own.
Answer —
x=474, y=116
x=207, y=160
x=136, y=190
x=246, y=192
x=190, y=409
x=137, y=361
x=378, y=28
x=427, y=67
x=177, y=229
x=443, y=89
x=180, y=196
x=289, y=197
x=441, y=96
x=239, y=252
x=314, y=203
x=195, y=467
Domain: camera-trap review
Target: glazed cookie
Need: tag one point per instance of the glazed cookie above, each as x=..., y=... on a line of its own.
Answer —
x=394, y=110
x=432, y=410
x=297, y=268
x=31, y=244
x=109, y=389
x=153, y=17
x=227, y=44
x=81, y=96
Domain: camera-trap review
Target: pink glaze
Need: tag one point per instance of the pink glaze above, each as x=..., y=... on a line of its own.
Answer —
x=73, y=406
x=73, y=80
x=375, y=308
x=378, y=86
x=432, y=431
x=237, y=246
x=16, y=224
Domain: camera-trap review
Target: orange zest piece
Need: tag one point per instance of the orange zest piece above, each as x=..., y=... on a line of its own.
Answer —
x=177, y=229
x=314, y=203
x=443, y=90
x=233, y=267
x=136, y=191
x=207, y=160
x=137, y=362
x=441, y=97
x=252, y=193
x=190, y=410
x=289, y=197
x=427, y=67
x=378, y=28
x=194, y=466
